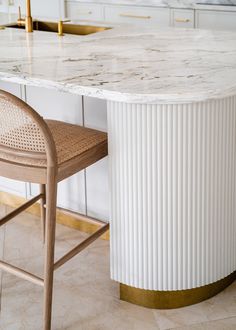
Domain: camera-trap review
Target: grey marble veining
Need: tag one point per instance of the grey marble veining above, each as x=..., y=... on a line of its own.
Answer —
x=125, y=64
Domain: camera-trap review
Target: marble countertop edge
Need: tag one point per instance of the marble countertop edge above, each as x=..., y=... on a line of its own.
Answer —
x=115, y=96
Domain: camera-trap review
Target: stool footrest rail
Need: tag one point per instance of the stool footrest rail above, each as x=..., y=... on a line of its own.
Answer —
x=20, y=209
x=21, y=273
x=38, y=280
x=80, y=247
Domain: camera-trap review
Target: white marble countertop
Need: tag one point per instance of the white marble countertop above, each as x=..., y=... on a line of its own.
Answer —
x=125, y=64
x=226, y=5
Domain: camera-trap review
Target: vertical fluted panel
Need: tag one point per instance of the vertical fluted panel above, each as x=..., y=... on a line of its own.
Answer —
x=172, y=170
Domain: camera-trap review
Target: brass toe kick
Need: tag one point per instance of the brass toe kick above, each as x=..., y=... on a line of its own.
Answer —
x=173, y=299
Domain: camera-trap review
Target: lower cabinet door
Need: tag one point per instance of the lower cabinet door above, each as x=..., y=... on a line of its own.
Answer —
x=13, y=187
x=87, y=191
x=8, y=185
x=66, y=107
x=84, y=11
x=215, y=20
x=97, y=194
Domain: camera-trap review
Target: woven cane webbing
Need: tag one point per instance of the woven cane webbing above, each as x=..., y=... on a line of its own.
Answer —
x=17, y=129
x=73, y=140
x=70, y=140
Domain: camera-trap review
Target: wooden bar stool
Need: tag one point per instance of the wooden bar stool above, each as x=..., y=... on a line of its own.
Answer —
x=45, y=152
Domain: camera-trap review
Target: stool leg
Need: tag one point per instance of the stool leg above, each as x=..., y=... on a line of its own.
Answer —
x=51, y=196
x=42, y=209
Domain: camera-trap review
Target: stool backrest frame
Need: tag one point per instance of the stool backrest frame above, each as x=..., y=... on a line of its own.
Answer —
x=49, y=152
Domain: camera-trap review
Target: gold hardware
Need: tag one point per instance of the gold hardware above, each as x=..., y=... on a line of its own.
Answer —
x=60, y=27
x=67, y=218
x=182, y=20
x=28, y=18
x=173, y=299
x=27, y=21
x=19, y=11
x=20, y=20
x=135, y=16
x=2, y=27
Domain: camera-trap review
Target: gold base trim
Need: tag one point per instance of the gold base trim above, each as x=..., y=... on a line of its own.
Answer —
x=67, y=218
x=173, y=299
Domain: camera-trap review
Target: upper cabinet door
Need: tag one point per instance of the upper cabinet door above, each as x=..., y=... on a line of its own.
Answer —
x=215, y=20
x=97, y=188
x=137, y=15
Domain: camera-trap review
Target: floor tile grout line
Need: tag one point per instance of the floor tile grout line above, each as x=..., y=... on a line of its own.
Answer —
x=186, y=326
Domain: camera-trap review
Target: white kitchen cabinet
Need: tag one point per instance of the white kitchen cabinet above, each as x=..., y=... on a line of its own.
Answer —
x=13, y=187
x=52, y=104
x=11, y=88
x=182, y=18
x=138, y=15
x=84, y=11
x=97, y=191
x=8, y=185
x=87, y=191
x=215, y=20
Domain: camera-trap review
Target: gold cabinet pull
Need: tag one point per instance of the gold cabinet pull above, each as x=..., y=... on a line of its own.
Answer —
x=182, y=20
x=135, y=16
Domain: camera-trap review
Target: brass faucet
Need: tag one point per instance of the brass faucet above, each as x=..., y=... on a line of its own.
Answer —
x=28, y=21
x=60, y=27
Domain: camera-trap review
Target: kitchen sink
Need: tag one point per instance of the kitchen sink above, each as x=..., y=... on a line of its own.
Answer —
x=67, y=27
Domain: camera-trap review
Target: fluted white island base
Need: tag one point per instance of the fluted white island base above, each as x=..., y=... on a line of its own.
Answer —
x=173, y=184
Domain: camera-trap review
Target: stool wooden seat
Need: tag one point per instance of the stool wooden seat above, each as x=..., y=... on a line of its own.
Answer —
x=45, y=152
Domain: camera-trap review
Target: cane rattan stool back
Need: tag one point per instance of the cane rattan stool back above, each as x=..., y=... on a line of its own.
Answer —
x=23, y=133
x=45, y=152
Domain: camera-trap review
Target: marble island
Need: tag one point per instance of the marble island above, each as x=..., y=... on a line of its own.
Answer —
x=171, y=105
x=125, y=64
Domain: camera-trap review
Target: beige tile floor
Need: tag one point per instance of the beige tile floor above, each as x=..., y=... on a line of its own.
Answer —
x=84, y=296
